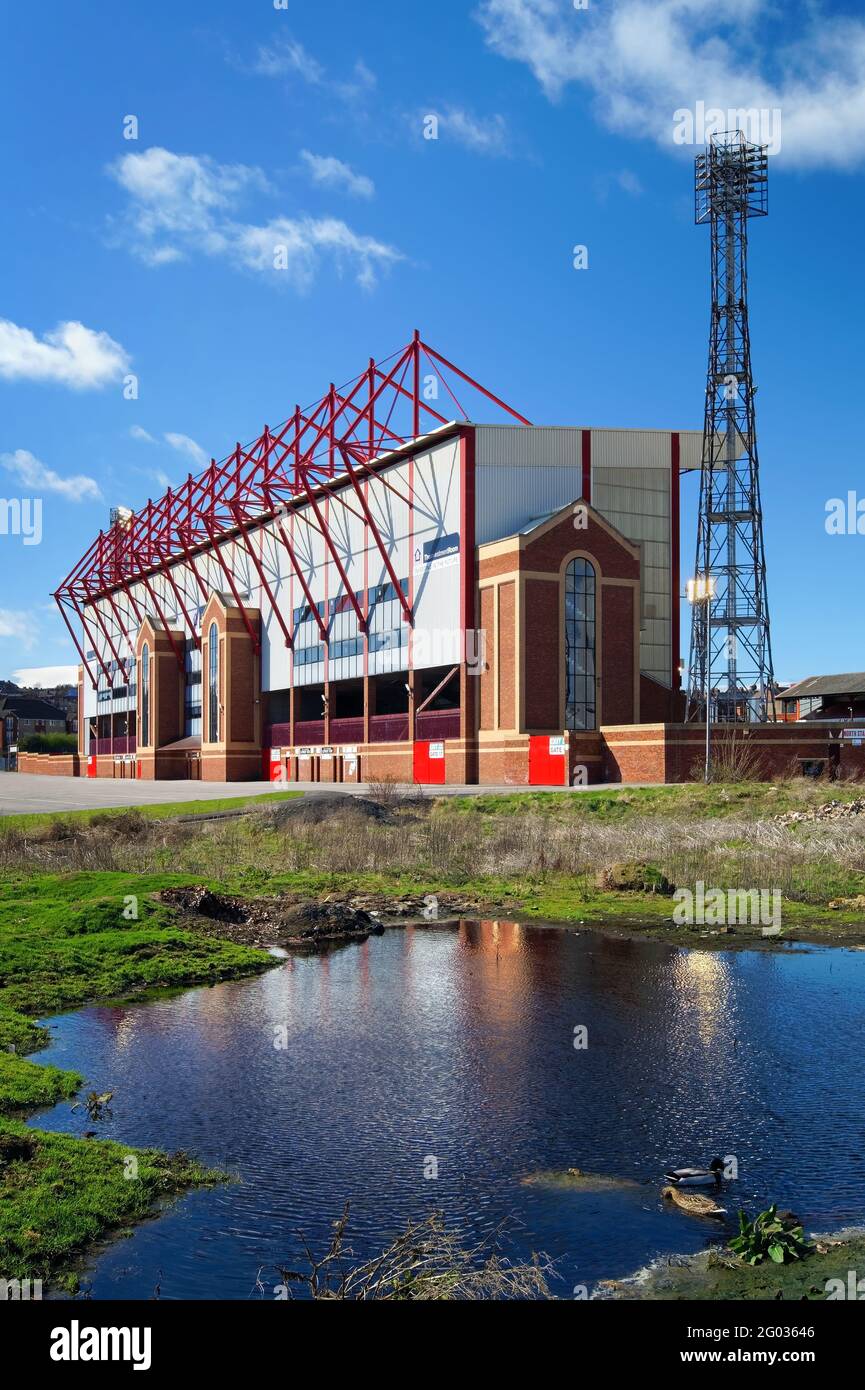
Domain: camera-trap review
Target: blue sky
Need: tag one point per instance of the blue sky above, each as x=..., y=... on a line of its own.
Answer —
x=556, y=128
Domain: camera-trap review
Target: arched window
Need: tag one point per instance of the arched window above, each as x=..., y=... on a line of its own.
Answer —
x=580, y=597
x=213, y=685
x=145, y=696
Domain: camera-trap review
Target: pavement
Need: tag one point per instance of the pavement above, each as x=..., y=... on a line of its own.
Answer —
x=24, y=793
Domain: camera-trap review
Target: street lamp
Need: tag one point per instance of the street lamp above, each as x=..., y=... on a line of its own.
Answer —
x=702, y=591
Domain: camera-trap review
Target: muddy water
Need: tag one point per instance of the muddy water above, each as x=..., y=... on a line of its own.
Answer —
x=451, y=1051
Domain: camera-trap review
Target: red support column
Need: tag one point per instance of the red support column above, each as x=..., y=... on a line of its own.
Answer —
x=237, y=599
x=165, y=623
x=328, y=540
x=675, y=560
x=296, y=566
x=289, y=641
x=370, y=521
x=84, y=662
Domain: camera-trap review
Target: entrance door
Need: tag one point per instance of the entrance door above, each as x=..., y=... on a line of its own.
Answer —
x=429, y=763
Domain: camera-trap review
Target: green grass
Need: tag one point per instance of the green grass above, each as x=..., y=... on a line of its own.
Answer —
x=64, y=940
x=164, y=811
x=68, y=1193
x=754, y=800
x=718, y=1278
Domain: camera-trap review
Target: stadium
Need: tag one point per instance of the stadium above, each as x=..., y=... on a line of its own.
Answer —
x=384, y=587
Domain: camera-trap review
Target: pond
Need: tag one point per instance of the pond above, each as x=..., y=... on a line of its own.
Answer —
x=449, y=1050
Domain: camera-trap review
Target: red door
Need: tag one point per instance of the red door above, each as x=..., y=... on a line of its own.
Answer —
x=429, y=763
x=548, y=761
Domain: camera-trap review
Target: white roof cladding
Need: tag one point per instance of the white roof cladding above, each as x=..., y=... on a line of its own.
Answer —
x=525, y=471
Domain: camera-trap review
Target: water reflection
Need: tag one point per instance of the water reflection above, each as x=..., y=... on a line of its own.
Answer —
x=333, y=1078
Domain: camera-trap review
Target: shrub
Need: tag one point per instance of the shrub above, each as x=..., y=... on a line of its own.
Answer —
x=48, y=743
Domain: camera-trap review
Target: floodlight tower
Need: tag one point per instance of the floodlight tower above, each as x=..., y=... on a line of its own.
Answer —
x=731, y=652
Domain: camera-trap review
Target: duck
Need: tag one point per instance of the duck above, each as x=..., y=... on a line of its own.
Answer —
x=694, y=1203
x=697, y=1177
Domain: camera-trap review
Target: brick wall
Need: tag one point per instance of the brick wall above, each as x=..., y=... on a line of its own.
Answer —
x=51, y=764
x=657, y=753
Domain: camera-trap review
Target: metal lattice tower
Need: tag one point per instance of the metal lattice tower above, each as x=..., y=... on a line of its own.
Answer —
x=731, y=653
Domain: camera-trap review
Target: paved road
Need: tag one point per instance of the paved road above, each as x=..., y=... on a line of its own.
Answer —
x=21, y=793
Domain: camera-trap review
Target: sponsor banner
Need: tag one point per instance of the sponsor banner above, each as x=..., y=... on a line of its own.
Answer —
x=437, y=554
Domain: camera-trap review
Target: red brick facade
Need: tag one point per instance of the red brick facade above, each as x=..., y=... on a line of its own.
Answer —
x=521, y=609
x=658, y=753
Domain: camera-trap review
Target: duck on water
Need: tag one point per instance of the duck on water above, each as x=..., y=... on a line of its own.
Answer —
x=697, y=1177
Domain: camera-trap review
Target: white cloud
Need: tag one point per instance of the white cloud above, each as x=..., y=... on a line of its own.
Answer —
x=182, y=205
x=46, y=676
x=136, y=432
x=628, y=182
x=18, y=626
x=70, y=354
x=178, y=201
x=330, y=172
x=300, y=244
x=32, y=473
x=645, y=59
x=483, y=134
x=288, y=58
x=184, y=445
x=624, y=179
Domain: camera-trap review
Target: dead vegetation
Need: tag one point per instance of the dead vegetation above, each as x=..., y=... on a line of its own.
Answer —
x=426, y=1262
x=808, y=855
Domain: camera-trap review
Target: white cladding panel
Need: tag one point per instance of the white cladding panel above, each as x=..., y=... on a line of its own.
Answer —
x=637, y=502
x=522, y=474
x=632, y=449
x=437, y=555
x=431, y=563
x=90, y=706
x=388, y=632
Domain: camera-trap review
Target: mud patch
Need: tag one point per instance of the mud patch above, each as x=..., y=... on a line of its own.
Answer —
x=272, y=921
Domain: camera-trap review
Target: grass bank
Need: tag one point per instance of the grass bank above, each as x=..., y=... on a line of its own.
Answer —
x=60, y=1195
x=541, y=854
x=34, y=821
x=66, y=940
x=714, y=1275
